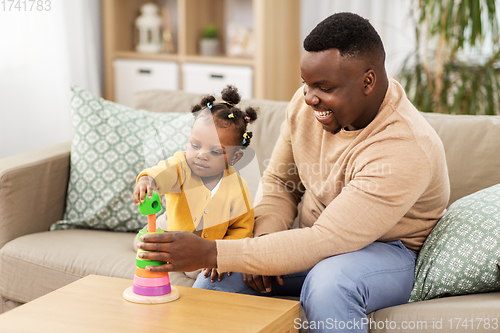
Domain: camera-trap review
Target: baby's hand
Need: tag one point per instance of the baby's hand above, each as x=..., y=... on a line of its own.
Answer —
x=213, y=274
x=145, y=185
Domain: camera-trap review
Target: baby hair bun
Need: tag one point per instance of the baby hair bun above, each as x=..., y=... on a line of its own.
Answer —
x=230, y=95
x=203, y=103
x=250, y=114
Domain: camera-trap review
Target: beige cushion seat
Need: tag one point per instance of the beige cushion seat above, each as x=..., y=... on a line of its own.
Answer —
x=420, y=316
x=72, y=255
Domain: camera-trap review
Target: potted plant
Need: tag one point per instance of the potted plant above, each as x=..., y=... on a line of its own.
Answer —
x=456, y=66
x=209, y=42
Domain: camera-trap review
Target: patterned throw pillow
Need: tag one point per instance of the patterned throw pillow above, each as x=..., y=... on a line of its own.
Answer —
x=462, y=253
x=111, y=145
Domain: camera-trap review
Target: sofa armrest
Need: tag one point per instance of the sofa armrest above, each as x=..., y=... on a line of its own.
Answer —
x=33, y=191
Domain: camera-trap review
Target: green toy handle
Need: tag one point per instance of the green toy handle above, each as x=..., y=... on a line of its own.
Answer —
x=150, y=206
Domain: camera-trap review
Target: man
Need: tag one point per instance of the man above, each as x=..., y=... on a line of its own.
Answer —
x=374, y=183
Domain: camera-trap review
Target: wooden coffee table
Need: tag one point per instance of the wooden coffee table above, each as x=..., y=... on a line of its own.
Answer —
x=95, y=304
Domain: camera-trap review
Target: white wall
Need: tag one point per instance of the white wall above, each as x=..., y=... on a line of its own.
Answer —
x=389, y=17
x=41, y=54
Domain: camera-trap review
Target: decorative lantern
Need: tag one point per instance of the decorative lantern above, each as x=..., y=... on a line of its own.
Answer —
x=148, y=26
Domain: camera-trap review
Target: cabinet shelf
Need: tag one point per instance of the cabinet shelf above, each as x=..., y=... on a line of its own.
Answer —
x=220, y=60
x=144, y=56
x=175, y=57
x=275, y=25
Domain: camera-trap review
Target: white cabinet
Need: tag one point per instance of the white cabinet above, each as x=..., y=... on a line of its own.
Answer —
x=132, y=76
x=211, y=79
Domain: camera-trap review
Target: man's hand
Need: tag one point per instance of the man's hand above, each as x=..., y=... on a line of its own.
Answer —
x=213, y=274
x=183, y=251
x=261, y=283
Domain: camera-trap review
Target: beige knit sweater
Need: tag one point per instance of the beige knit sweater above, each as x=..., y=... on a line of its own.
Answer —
x=385, y=182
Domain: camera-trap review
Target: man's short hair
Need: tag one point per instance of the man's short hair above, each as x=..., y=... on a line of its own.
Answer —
x=351, y=34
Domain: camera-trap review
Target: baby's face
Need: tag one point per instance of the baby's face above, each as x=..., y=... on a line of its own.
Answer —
x=206, y=147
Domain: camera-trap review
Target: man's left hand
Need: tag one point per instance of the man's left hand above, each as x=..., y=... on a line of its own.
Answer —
x=213, y=274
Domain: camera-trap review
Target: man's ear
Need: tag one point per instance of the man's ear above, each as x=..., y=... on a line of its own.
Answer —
x=236, y=157
x=369, y=80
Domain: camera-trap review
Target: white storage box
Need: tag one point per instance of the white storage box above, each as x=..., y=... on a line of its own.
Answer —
x=132, y=76
x=211, y=79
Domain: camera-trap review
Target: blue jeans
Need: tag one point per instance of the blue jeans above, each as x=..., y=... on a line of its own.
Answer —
x=340, y=291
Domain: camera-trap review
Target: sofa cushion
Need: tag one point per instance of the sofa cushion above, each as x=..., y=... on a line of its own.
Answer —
x=111, y=145
x=471, y=144
x=165, y=100
x=462, y=253
x=467, y=313
x=35, y=264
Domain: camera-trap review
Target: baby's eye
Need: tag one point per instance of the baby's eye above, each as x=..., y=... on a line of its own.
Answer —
x=195, y=146
x=217, y=152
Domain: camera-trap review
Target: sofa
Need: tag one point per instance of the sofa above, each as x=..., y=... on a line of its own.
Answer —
x=35, y=261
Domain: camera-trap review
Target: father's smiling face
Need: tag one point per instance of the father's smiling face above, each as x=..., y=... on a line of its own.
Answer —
x=337, y=88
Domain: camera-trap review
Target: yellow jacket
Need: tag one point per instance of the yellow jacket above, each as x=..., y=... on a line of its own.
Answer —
x=228, y=215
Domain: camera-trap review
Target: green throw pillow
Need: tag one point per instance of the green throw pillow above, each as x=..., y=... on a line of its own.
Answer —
x=111, y=145
x=461, y=255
